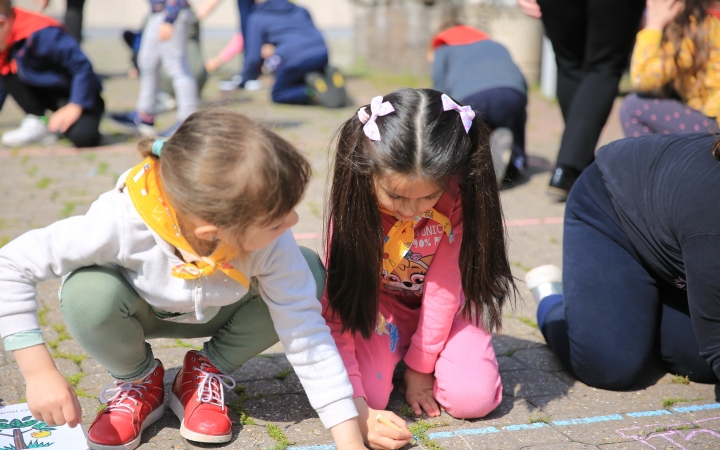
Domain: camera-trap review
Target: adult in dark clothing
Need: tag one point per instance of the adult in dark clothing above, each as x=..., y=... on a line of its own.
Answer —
x=297, y=42
x=73, y=16
x=43, y=68
x=592, y=40
x=641, y=260
x=469, y=66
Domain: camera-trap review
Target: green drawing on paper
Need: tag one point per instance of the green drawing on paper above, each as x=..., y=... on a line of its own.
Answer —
x=15, y=429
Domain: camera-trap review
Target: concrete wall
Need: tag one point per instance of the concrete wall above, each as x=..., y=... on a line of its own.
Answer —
x=116, y=14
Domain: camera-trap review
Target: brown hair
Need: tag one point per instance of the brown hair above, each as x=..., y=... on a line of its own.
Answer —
x=6, y=7
x=418, y=140
x=690, y=25
x=226, y=169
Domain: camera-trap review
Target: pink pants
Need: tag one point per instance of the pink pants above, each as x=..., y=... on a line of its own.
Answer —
x=467, y=381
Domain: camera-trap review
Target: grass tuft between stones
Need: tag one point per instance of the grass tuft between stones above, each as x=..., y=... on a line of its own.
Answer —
x=278, y=436
x=283, y=374
x=679, y=379
x=419, y=430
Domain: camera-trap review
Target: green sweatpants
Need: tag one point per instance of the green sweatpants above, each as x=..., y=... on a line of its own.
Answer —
x=111, y=322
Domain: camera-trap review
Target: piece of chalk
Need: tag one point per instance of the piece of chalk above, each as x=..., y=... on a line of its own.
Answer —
x=383, y=420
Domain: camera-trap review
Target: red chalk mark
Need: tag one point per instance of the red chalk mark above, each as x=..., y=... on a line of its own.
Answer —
x=302, y=236
x=536, y=221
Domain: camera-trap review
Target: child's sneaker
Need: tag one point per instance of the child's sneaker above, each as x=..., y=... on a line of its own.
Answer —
x=33, y=129
x=501, y=143
x=198, y=400
x=544, y=281
x=131, y=407
x=132, y=122
x=328, y=87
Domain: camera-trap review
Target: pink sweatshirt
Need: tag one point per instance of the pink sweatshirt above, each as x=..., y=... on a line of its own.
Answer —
x=430, y=280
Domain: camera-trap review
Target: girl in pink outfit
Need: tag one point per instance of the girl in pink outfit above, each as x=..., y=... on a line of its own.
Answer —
x=417, y=260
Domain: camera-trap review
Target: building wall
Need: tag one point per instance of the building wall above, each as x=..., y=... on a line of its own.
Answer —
x=116, y=14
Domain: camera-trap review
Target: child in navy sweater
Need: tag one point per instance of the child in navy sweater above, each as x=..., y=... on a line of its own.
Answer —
x=302, y=76
x=43, y=68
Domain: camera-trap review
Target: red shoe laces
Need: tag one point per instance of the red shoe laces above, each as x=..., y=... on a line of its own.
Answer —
x=210, y=387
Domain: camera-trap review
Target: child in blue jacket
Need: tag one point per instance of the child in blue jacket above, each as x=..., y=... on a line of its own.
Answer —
x=301, y=50
x=43, y=68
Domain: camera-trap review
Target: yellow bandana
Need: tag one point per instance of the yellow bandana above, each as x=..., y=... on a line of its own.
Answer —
x=146, y=193
x=401, y=236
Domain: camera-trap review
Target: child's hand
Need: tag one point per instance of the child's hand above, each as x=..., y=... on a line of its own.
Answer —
x=530, y=8
x=212, y=64
x=166, y=31
x=50, y=397
x=377, y=435
x=419, y=392
x=661, y=12
x=64, y=118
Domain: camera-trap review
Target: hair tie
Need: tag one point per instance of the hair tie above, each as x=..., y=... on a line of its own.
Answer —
x=377, y=108
x=157, y=147
x=466, y=112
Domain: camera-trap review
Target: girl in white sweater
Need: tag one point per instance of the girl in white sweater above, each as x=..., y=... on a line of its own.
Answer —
x=171, y=252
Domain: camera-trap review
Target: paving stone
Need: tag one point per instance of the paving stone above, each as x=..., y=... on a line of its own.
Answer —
x=541, y=358
x=308, y=432
x=506, y=363
x=612, y=428
x=531, y=383
x=66, y=367
x=290, y=385
x=506, y=345
x=71, y=346
x=93, y=383
x=259, y=368
x=511, y=411
x=564, y=446
x=283, y=408
x=89, y=365
x=12, y=385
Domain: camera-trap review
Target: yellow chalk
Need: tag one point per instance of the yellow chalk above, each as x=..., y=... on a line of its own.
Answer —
x=385, y=421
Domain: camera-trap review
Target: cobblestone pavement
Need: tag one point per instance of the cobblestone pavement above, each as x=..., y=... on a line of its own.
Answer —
x=544, y=407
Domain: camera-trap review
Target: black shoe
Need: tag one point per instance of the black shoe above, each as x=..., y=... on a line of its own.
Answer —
x=328, y=88
x=562, y=181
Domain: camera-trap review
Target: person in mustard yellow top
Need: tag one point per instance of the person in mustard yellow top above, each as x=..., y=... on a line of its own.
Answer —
x=675, y=69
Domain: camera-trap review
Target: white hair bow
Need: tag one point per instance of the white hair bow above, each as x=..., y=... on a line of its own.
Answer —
x=466, y=112
x=377, y=108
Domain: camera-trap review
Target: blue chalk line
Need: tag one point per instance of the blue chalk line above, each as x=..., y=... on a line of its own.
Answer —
x=525, y=426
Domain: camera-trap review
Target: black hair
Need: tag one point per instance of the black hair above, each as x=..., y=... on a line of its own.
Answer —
x=421, y=141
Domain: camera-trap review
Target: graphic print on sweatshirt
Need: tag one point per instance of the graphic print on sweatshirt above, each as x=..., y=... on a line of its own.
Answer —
x=408, y=277
x=384, y=327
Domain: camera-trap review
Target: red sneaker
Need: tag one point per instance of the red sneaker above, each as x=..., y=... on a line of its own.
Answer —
x=198, y=400
x=131, y=407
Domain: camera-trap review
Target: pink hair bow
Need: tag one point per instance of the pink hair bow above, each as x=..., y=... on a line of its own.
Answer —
x=377, y=108
x=466, y=112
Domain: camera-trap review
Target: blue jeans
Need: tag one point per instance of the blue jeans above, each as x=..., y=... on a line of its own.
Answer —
x=290, y=84
x=614, y=315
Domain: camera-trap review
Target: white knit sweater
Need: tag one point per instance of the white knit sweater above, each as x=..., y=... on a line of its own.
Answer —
x=112, y=232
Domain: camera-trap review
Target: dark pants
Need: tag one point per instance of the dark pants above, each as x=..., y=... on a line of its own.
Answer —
x=592, y=40
x=74, y=18
x=244, y=8
x=37, y=100
x=503, y=107
x=614, y=315
x=290, y=84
